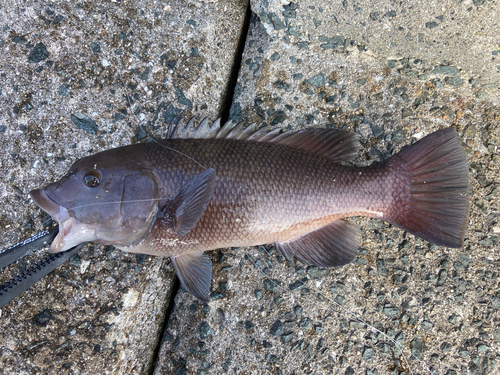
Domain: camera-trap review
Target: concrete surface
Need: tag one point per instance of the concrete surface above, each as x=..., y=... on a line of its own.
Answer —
x=78, y=78
x=386, y=77
x=392, y=72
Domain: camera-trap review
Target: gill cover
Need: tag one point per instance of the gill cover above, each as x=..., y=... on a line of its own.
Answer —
x=115, y=203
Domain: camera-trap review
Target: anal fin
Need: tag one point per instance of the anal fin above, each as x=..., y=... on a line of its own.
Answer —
x=333, y=245
x=195, y=273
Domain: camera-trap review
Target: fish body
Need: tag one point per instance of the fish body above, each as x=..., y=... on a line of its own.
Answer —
x=232, y=187
x=263, y=193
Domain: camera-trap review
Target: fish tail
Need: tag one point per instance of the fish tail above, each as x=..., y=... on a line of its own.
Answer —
x=430, y=190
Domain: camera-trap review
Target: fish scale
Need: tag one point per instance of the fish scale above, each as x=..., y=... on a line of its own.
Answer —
x=264, y=193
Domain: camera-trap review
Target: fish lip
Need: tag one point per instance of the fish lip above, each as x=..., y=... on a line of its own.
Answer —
x=71, y=231
x=54, y=209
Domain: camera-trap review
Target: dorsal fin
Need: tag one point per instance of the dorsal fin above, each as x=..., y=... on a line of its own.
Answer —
x=336, y=145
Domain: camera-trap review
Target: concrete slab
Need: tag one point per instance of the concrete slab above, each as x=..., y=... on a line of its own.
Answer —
x=392, y=73
x=77, y=78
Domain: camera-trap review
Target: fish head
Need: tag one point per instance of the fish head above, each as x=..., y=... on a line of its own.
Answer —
x=108, y=198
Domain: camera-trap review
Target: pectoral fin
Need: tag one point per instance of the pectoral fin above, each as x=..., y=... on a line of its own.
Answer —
x=189, y=204
x=195, y=273
x=333, y=245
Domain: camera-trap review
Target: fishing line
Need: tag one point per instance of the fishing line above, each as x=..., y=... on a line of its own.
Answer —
x=173, y=128
x=158, y=143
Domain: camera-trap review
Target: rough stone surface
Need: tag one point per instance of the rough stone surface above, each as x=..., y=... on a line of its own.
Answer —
x=77, y=78
x=376, y=69
x=392, y=72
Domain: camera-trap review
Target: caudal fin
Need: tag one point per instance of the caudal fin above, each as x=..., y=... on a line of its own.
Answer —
x=433, y=179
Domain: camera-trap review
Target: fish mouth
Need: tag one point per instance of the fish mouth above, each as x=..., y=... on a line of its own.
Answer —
x=71, y=231
x=50, y=206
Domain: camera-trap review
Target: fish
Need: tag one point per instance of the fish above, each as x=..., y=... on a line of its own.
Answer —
x=207, y=186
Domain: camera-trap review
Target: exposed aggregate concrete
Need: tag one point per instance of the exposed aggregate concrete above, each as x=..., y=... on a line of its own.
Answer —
x=430, y=309
x=82, y=78
x=77, y=78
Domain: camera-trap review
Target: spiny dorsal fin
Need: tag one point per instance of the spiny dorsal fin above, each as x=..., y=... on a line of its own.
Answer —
x=336, y=145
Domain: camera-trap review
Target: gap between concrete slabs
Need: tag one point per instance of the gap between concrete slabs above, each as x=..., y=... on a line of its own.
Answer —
x=224, y=115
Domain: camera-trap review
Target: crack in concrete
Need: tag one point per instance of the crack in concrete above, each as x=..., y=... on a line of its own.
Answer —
x=225, y=108
x=235, y=68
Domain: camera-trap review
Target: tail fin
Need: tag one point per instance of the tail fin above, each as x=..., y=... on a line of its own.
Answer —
x=431, y=199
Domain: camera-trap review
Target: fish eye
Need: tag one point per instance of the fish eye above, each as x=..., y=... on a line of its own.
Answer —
x=92, y=178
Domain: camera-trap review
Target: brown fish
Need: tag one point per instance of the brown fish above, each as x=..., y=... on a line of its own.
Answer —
x=211, y=187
